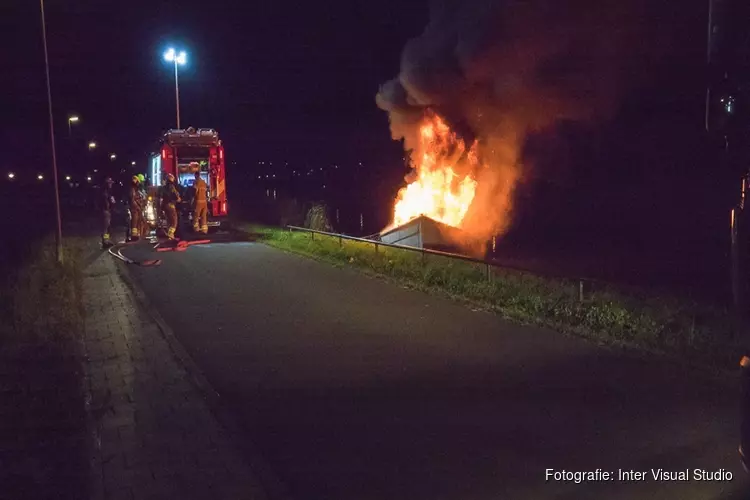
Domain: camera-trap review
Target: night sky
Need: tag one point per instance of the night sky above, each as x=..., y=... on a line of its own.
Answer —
x=275, y=78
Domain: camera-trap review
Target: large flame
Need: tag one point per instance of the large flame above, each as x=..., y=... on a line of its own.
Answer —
x=438, y=190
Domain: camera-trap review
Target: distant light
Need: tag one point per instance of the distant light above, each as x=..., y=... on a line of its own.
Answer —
x=96, y=171
x=182, y=58
x=132, y=163
x=73, y=119
x=40, y=177
x=11, y=175
x=274, y=176
x=88, y=178
x=112, y=156
x=92, y=145
x=169, y=55
x=67, y=177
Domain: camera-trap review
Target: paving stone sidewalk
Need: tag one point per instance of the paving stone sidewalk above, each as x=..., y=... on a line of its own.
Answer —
x=155, y=435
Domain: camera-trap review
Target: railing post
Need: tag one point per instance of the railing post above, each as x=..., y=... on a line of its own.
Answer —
x=312, y=236
x=423, y=256
x=487, y=270
x=580, y=290
x=376, y=248
x=341, y=241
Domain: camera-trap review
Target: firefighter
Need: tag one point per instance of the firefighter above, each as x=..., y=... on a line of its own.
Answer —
x=136, y=208
x=170, y=199
x=145, y=229
x=200, y=205
x=108, y=203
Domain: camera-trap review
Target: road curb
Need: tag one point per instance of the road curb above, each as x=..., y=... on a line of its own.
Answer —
x=272, y=486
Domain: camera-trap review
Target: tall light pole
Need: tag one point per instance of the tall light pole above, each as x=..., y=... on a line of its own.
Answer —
x=58, y=234
x=179, y=59
x=71, y=119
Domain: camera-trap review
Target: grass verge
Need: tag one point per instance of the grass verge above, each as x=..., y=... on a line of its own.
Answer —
x=696, y=332
x=42, y=396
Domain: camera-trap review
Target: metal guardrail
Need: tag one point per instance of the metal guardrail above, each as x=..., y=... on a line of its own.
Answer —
x=488, y=266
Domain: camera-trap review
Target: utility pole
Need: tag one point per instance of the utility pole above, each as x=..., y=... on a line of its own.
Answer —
x=58, y=234
x=177, y=92
x=178, y=59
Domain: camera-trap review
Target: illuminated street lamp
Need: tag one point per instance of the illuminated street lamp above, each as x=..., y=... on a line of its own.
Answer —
x=112, y=156
x=92, y=145
x=67, y=177
x=178, y=59
x=40, y=177
x=72, y=119
x=88, y=178
x=11, y=175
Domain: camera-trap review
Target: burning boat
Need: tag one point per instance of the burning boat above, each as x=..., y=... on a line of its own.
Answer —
x=424, y=232
x=428, y=212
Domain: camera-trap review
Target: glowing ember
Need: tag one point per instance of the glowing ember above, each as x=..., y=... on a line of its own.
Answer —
x=438, y=191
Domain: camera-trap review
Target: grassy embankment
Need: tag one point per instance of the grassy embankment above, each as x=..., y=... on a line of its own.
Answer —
x=43, y=407
x=697, y=332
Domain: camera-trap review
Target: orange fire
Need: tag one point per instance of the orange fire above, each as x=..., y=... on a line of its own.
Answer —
x=438, y=190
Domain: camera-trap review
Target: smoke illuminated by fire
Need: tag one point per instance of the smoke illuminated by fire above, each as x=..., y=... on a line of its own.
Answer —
x=438, y=190
x=497, y=73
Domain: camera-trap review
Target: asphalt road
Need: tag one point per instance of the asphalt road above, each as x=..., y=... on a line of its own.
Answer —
x=355, y=388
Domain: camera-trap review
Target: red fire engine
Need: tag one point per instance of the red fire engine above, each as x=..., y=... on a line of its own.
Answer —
x=182, y=153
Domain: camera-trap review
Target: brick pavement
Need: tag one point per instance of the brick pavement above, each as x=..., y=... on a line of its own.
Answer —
x=154, y=432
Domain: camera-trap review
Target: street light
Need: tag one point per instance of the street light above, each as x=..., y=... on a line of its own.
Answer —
x=88, y=178
x=11, y=175
x=40, y=177
x=72, y=119
x=112, y=156
x=92, y=145
x=172, y=56
x=67, y=177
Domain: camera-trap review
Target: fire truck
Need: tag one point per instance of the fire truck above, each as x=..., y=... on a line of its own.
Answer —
x=182, y=153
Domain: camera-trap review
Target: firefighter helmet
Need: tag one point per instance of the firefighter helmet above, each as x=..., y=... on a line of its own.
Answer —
x=170, y=177
x=136, y=179
x=141, y=178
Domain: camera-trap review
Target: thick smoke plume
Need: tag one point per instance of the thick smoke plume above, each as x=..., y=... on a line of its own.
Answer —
x=500, y=70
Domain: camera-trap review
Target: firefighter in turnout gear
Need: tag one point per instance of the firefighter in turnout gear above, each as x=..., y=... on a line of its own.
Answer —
x=136, y=203
x=200, y=205
x=108, y=203
x=144, y=229
x=170, y=199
